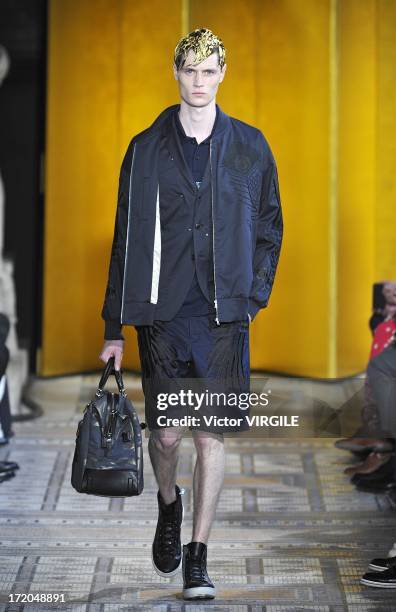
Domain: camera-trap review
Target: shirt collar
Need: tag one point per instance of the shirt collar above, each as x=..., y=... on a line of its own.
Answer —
x=181, y=129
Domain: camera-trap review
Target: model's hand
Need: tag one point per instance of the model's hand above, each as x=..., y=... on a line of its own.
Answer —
x=113, y=348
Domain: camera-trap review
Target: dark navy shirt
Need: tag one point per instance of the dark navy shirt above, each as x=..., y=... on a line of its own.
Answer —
x=197, y=157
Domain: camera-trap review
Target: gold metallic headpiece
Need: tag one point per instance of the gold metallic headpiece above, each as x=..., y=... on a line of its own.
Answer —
x=203, y=42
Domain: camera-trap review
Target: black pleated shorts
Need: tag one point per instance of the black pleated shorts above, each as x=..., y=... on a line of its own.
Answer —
x=196, y=374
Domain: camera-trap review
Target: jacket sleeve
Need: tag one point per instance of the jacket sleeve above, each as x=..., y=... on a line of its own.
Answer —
x=111, y=310
x=268, y=238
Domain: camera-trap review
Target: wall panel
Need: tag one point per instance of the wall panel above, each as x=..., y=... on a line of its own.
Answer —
x=356, y=181
x=385, y=235
x=293, y=112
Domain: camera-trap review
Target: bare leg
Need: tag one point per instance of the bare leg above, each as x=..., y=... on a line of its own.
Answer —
x=207, y=483
x=163, y=449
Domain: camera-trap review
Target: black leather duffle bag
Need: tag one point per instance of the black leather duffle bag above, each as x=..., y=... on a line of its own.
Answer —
x=108, y=458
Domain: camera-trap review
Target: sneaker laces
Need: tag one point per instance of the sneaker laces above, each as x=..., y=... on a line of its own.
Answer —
x=197, y=569
x=168, y=534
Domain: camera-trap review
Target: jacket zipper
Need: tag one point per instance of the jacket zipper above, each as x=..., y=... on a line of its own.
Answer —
x=127, y=234
x=213, y=233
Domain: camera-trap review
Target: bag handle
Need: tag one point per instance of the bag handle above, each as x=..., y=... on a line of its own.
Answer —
x=109, y=369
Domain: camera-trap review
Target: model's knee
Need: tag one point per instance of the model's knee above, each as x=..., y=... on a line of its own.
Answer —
x=165, y=443
x=208, y=443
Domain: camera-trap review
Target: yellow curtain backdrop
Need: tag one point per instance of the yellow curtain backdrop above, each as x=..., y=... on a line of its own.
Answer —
x=317, y=76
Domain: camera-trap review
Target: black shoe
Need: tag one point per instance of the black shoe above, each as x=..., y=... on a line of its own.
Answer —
x=6, y=476
x=196, y=582
x=379, y=565
x=385, y=472
x=391, y=495
x=376, y=487
x=380, y=481
x=383, y=580
x=166, y=549
x=8, y=466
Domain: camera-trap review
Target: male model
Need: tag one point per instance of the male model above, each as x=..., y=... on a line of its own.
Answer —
x=196, y=244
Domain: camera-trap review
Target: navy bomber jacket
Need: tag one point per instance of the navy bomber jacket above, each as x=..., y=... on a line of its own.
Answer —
x=246, y=225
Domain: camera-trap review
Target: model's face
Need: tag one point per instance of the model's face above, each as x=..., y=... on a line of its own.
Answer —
x=198, y=83
x=389, y=292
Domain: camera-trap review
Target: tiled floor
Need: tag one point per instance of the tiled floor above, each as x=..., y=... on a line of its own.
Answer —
x=291, y=533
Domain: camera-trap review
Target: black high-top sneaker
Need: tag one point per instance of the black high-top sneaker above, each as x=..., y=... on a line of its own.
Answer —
x=166, y=549
x=196, y=582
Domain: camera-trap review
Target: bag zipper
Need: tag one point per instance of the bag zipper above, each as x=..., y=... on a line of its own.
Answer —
x=109, y=428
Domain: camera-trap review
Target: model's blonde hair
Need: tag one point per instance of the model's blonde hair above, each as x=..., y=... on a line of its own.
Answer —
x=203, y=42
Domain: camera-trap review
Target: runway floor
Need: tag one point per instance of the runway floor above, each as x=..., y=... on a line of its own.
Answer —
x=291, y=533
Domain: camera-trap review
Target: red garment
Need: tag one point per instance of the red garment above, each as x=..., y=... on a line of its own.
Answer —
x=383, y=337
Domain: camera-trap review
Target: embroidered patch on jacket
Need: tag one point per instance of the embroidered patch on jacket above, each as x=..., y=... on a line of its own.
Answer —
x=254, y=184
x=240, y=157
